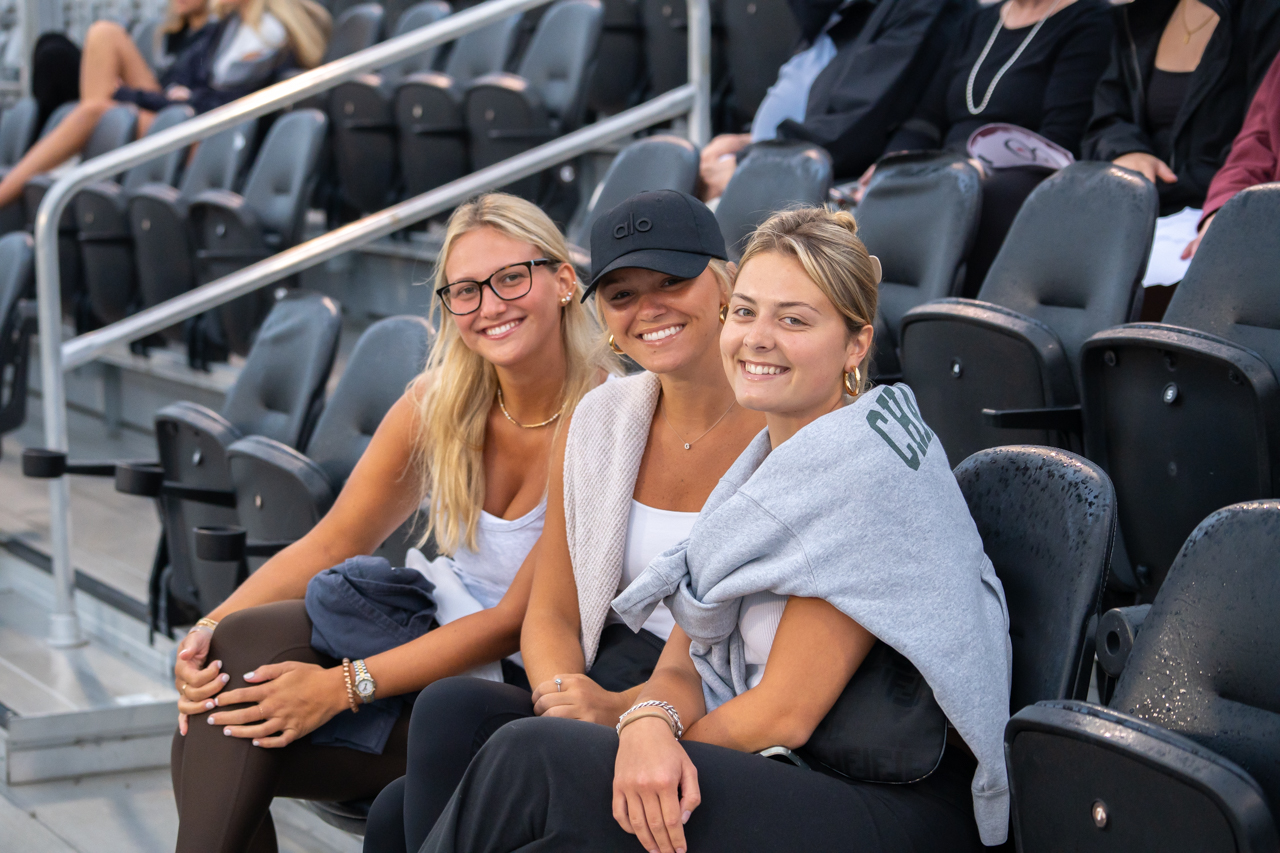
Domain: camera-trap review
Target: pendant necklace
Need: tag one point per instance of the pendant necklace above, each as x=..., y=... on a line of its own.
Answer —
x=1186, y=22
x=968, y=89
x=507, y=415
x=688, y=445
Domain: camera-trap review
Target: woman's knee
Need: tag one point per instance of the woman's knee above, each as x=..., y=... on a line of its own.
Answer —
x=104, y=32
x=262, y=634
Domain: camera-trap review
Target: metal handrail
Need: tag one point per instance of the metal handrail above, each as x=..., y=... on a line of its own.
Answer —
x=56, y=357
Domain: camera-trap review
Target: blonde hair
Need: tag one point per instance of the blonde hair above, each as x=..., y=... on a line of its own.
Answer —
x=459, y=386
x=827, y=246
x=306, y=21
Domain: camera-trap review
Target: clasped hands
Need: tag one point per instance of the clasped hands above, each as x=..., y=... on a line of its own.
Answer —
x=282, y=702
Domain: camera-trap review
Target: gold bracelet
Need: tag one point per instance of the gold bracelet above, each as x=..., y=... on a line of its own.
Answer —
x=351, y=693
x=206, y=623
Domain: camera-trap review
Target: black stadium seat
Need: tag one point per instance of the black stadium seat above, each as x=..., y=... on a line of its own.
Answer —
x=17, y=131
x=666, y=44
x=432, y=130
x=17, y=322
x=281, y=493
x=101, y=211
x=759, y=36
x=1185, y=414
x=773, y=176
x=278, y=394
x=361, y=112
x=118, y=126
x=164, y=255
x=234, y=230
x=1068, y=268
x=510, y=113
x=1186, y=755
x=919, y=218
x=1047, y=520
x=617, y=81
x=652, y=163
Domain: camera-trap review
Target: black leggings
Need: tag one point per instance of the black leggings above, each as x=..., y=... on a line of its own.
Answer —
x=546, y=784
x=454, y=717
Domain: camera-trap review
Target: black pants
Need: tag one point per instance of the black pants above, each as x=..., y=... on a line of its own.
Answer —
x=1003, y=192
x=452, y=720
x=546, y=785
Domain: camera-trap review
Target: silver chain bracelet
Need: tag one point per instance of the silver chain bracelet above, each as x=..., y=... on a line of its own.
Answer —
x=666, y=707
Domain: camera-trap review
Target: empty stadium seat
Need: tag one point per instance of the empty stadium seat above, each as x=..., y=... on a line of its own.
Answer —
x=431, y=128
x=281, y=493
x=652, y=163
x=759, y=36
x=773, y=176
x=278, y=394
x=101, y=212
x=1186, y=755
x=1068, y=268
x=1185, y=414
x=507, y=114
x=666, y=44
x=234, y=230
x=17, y=322
x=361, y=112
x=164, y=254
x=617, y=82
x=118, y=126
x=1047, y=520
x=919, y=217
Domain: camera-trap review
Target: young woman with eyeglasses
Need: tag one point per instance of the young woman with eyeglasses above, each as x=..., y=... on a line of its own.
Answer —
x=470, y=443
x=628, y=476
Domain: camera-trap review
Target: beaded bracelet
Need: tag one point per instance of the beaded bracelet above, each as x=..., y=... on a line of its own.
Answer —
x=351, y=693
x=677, y=728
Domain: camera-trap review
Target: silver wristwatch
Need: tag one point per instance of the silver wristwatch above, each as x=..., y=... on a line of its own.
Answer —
x=365, y=685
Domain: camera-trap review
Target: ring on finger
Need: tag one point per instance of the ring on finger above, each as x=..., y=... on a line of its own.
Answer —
x=184, y=688
x=559, y=685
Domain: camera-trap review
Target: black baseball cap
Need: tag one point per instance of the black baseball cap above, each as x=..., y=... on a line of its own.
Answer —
x=667, y=231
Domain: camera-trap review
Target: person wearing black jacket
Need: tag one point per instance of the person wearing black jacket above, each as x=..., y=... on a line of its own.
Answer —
x=1168, y=113
x=885, y=54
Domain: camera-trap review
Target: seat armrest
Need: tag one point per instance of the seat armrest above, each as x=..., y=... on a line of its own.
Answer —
x=1060, y=418
x=231, y=545
x=1117, y=629
x=42, y=464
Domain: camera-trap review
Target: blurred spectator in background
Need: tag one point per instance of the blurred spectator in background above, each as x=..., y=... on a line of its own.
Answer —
x=1030, y=63
x=252, y=43
x=861, y=73
x=1255, y=155
x=1174, y=96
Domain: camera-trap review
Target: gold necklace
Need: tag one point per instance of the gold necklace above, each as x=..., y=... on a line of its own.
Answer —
x=688, y=445
x=507, y=415
x=1186, y=22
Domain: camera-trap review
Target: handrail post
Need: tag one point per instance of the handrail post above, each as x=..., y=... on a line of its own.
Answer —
x=64, y=624
x=699, y=15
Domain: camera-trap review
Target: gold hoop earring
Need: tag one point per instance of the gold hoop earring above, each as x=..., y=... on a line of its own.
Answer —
x=857, y=379
x=613, y=346
x=724, y=314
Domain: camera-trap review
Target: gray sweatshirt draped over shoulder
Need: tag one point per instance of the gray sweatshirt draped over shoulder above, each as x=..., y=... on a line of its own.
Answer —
x=858, y=508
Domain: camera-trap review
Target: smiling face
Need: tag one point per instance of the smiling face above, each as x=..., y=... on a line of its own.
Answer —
x=785, y=346
x=666, y=324
x=507, y=333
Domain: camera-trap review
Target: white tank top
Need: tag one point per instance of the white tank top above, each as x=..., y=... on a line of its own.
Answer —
x=651, y=531
x=502, y=545
x=758, y=624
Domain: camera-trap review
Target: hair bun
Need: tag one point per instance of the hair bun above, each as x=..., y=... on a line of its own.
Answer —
x=845, y=220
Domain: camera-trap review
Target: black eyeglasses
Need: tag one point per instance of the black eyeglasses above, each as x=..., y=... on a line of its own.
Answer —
x=510, y=282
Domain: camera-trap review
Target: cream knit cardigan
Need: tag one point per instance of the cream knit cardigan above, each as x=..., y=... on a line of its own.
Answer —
x=606, y=442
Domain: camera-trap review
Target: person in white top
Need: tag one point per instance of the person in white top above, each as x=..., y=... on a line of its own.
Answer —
x=628, y=477
x=472, y=437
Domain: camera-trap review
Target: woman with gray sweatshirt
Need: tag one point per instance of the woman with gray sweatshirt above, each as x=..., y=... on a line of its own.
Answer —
x=838, y=540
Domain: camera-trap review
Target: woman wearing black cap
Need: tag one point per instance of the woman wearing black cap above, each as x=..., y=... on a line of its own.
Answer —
x=629, y=475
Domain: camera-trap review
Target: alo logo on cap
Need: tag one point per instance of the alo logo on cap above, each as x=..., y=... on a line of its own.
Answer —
x=631, y=226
